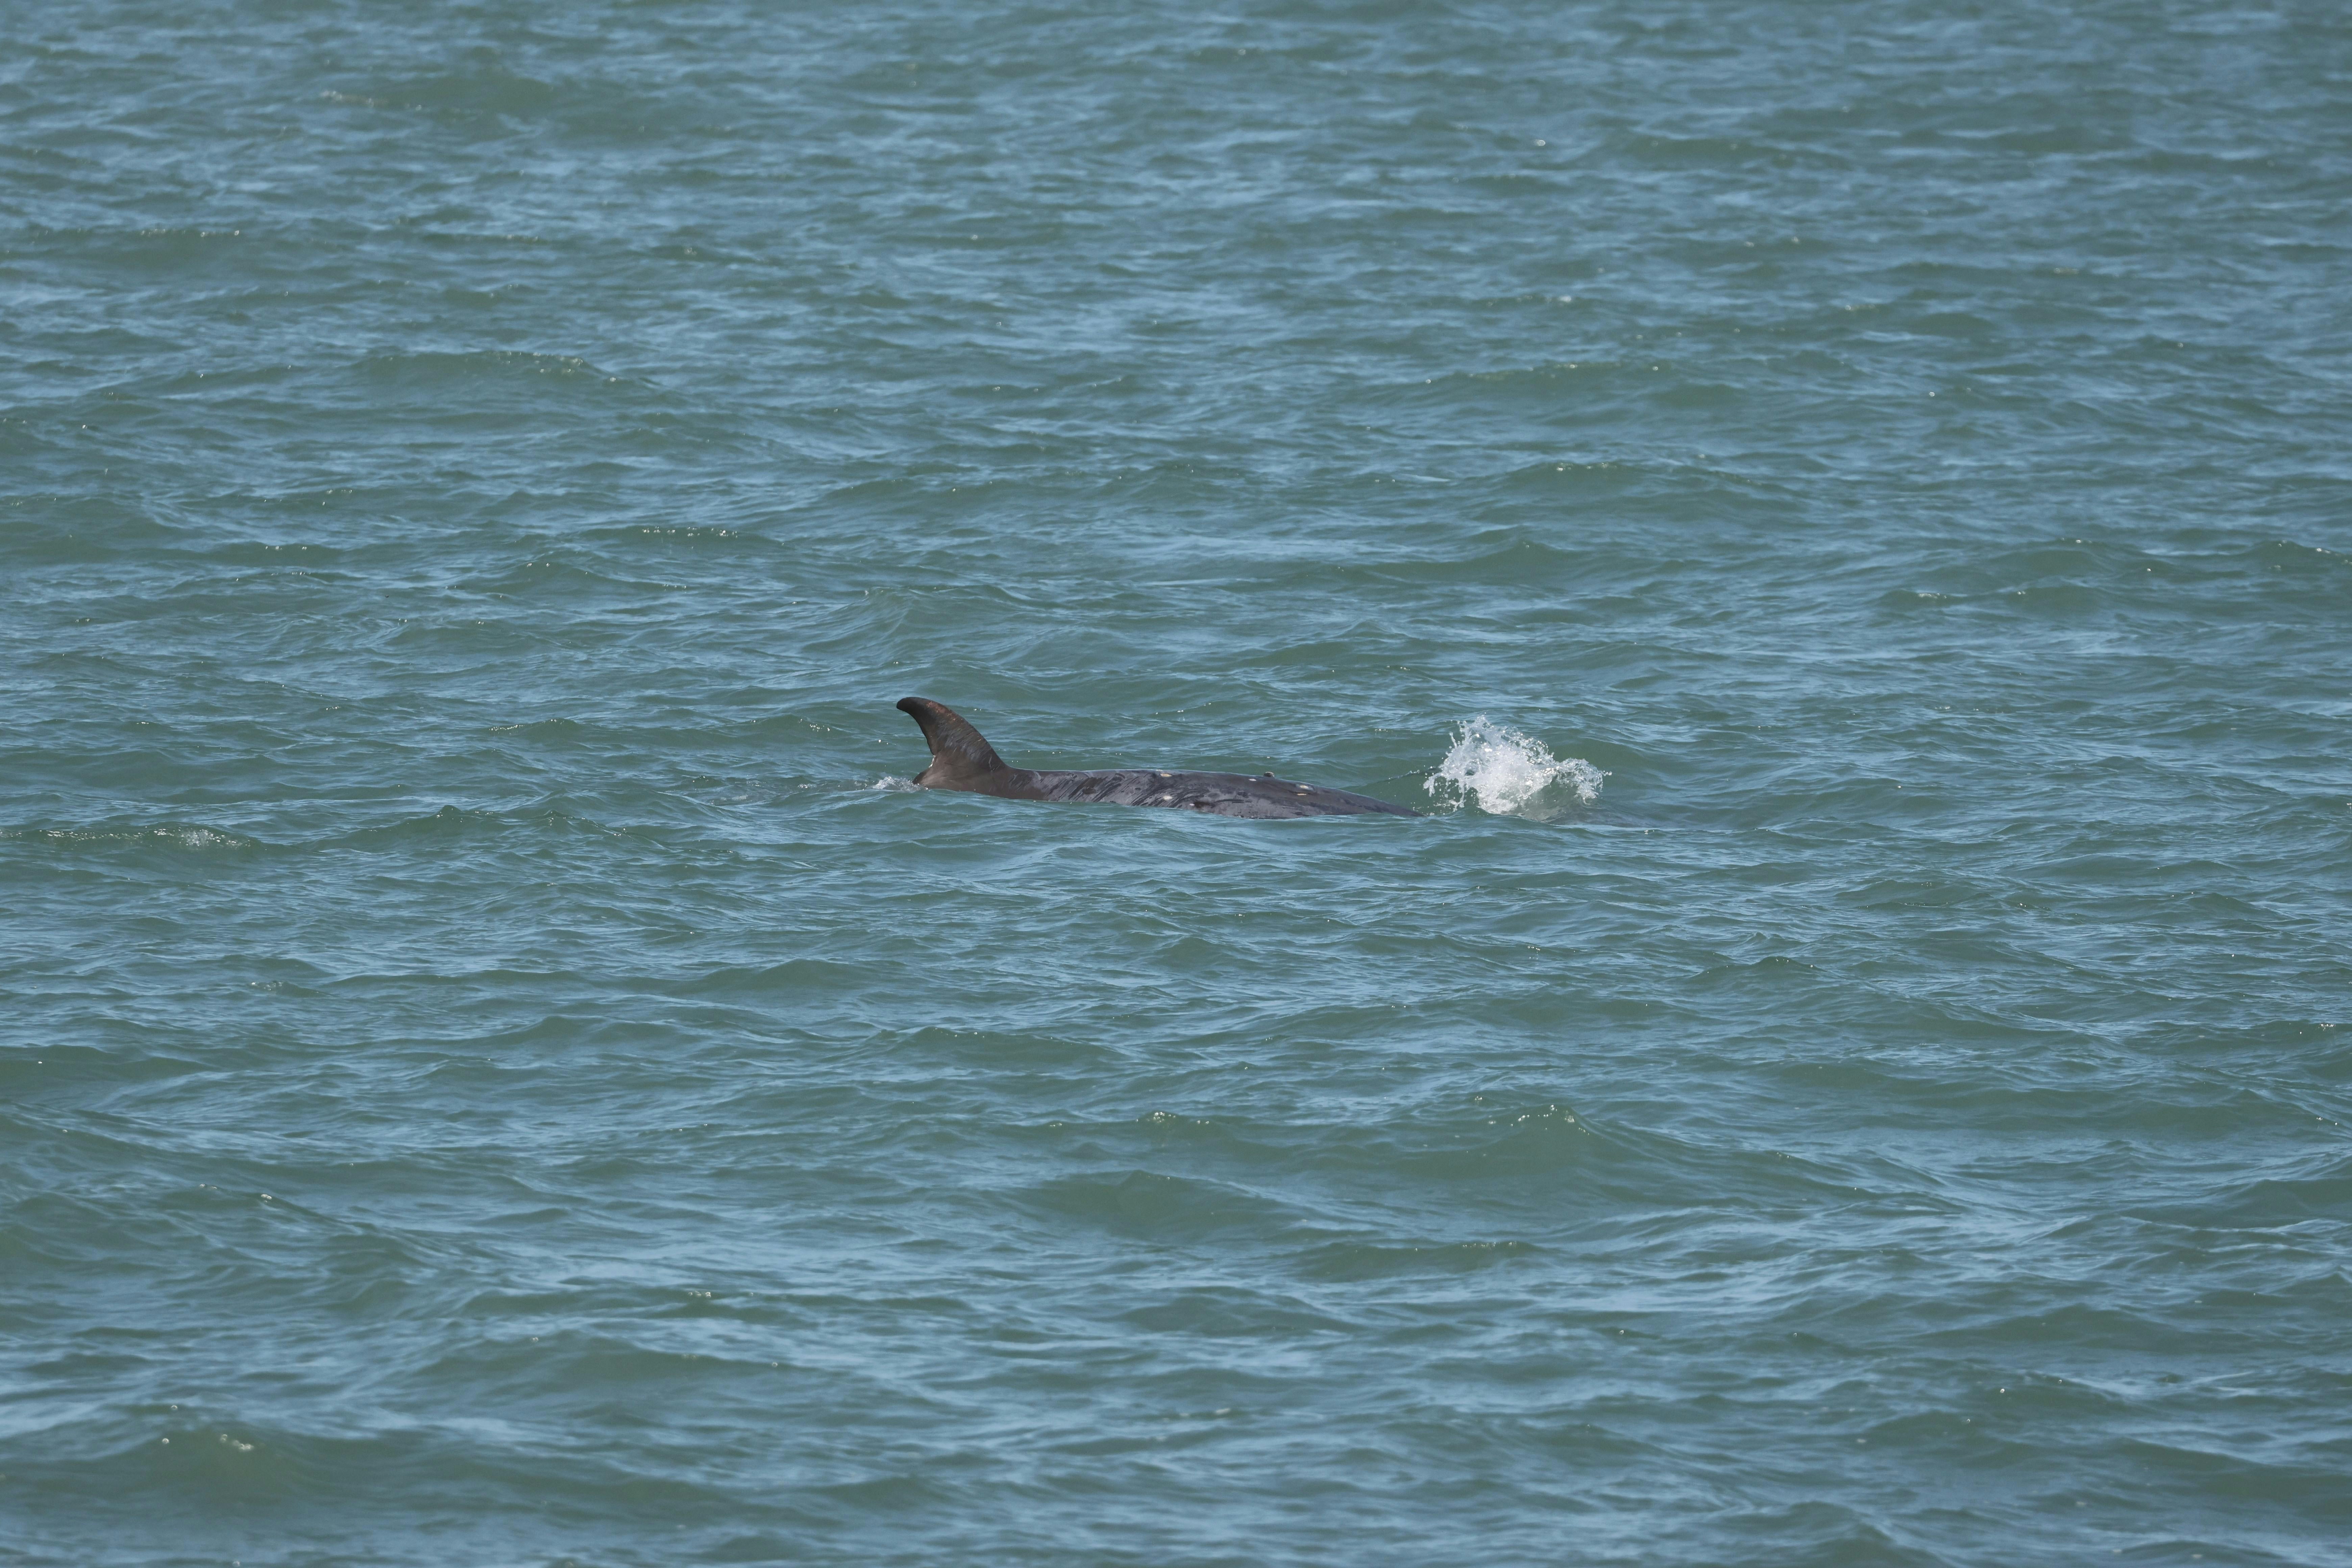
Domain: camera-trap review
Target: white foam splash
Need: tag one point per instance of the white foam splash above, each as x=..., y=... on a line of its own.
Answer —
x=1506, y=773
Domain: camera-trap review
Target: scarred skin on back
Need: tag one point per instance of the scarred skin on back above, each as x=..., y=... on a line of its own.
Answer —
x=961, y=759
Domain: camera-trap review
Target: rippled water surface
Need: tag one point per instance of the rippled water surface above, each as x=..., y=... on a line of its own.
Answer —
x=1838, y=514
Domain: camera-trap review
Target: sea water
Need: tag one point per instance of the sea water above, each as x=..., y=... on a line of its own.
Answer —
x=1837, y=514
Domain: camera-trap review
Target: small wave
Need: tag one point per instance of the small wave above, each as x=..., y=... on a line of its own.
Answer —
x=169, y=837
x=894, y=783
x=1508, y=772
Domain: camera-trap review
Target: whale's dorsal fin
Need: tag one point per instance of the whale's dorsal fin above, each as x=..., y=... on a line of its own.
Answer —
x=961, y=757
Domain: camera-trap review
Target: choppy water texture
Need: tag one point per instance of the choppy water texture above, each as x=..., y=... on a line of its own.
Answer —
x=1838, y=512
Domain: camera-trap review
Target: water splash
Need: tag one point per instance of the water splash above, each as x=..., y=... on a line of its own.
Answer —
x=1508, y=772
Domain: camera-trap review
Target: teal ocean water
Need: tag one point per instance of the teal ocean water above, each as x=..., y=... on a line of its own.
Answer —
x=1840, y=515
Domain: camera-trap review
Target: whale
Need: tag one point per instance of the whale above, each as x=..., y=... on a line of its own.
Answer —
x=961, y=759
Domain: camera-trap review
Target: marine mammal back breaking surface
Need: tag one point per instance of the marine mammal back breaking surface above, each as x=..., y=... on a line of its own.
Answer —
x=961, y=759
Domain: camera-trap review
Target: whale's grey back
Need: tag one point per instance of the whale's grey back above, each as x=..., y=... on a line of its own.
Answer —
x=1260, y=796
